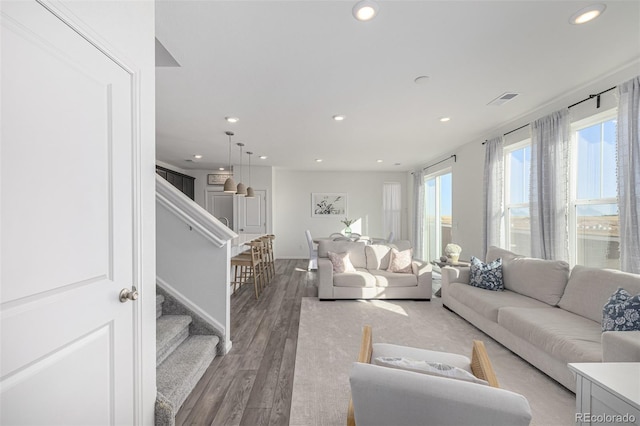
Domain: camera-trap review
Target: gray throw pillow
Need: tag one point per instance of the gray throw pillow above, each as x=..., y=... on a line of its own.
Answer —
x=486, y=275
x=621, y=312
x=428, y=367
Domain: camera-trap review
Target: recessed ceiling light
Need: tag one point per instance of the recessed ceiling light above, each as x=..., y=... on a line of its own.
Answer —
x=198, y=156
x=221, y=168
x=397, y=164
x=378, y=161
x=365, y=10
x=587, y=14
x=263, y=157
x=338, y=117
x=444, y=119
x=318, y=160
x=232, y=119
x=423, y=79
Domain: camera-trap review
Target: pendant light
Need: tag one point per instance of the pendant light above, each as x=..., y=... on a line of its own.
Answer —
x=250, y=192
x=230, y=184
x=241, y=189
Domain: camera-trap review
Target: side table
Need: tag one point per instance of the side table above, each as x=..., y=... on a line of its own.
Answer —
x=607, y=393
x=458, y=264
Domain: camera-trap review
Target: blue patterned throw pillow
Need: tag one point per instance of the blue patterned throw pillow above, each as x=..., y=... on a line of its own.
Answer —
x=486, y=275
x=621, y=312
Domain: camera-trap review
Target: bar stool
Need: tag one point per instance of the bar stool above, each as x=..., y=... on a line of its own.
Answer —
x=272, y=256
x=268, y=257
x=249, y=266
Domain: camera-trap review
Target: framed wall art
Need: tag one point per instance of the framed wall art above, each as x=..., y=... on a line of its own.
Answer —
x=327, y=204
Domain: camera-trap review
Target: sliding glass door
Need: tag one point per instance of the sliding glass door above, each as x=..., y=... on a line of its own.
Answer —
x=437, y=204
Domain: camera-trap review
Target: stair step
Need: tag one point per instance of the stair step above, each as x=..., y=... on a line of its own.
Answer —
x=159, y=300
x=180, y=372
x=171, y=331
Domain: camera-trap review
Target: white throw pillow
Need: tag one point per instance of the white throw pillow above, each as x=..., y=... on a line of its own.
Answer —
x=400, y=261
x=427, y=367
x=341, y=262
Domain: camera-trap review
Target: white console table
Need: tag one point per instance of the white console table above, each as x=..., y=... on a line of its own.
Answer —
x=607, y=393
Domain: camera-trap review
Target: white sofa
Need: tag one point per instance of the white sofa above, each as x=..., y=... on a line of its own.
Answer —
x=548, y=315
x=371, y=280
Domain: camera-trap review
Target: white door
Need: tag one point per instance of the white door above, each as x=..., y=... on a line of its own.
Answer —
x=252, y=213
x=220, y=205
x=68, y=240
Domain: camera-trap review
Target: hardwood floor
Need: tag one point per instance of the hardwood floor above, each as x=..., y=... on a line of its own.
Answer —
x=252, y=384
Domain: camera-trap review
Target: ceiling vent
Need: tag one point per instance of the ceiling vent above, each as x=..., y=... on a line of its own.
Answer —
x=503, y=99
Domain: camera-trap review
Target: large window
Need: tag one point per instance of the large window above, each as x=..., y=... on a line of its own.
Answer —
x=594, y=240
x=517, y=173
x=593, y=210
x=437, y=202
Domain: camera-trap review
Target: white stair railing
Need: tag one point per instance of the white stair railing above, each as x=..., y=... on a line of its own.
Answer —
x=192, y=257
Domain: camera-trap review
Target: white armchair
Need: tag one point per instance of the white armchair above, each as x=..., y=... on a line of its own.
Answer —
x=389, y=396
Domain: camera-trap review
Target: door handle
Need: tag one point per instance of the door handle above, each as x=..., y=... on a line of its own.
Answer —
x=128, y=294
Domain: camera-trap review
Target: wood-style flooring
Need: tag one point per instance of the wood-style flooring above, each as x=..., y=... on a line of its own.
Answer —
x=252, y=384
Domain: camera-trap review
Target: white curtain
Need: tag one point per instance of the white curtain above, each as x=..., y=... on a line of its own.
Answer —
x=493, y=191
x=628, y=156
x=418, y=214
x=392, y=209
x=549, y=186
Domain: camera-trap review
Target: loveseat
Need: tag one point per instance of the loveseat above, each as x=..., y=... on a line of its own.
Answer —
x=548, y=314
x=371, y=279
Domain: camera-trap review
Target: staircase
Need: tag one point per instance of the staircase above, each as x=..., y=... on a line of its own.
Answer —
x=182, y=357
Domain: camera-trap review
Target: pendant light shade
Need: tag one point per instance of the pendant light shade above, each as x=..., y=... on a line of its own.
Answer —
x=241, y=189
x=250, y=192
x=229, y=184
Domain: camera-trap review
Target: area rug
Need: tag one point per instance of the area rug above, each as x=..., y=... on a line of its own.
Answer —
x=329, y=340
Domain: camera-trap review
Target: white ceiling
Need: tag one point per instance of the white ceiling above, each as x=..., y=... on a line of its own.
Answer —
x=286, y=67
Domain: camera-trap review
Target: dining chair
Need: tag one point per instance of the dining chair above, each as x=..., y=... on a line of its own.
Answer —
x=313, y=252
x=336, y=235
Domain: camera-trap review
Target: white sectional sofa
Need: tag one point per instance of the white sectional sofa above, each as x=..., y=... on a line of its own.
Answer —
x=371, y=280
x=548, y=315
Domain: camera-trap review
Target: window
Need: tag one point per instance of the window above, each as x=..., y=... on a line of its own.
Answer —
x=594, y=240
x=391, y=208
x=437, y=204
x=593, y=209
x=518, y=220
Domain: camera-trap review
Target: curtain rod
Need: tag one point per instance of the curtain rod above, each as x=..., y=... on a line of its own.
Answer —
x=597, y=96
x=454, y=156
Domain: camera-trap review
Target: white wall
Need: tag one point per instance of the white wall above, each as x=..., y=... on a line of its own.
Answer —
x=292, y=206
x=468, y=171
x=198, y=270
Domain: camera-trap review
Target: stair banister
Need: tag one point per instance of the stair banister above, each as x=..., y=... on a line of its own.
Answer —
x=192, y=213
x=192, y=258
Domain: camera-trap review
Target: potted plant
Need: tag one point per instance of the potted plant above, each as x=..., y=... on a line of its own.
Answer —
x=453, y=252
x=347, y=223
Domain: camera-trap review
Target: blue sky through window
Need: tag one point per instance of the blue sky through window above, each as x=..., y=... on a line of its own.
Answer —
x=597, y=161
